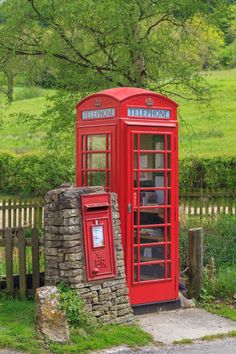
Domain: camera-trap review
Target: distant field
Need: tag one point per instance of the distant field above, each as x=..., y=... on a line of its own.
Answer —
x=211, y=131
x=206, y=131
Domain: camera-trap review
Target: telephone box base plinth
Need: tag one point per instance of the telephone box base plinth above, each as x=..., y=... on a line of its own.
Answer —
x=156, y=307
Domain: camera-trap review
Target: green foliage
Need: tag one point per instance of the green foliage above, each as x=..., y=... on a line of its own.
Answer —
x=38, y=173
x=17, y=331
x=25, y=93
x=222, y=309
x=222, y=286
x=103, y=337
x=219, y=172
x=75, y=309
x=219, y=239
x=33, y=174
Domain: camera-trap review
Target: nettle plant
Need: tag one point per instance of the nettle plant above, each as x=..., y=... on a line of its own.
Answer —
x=75, y=309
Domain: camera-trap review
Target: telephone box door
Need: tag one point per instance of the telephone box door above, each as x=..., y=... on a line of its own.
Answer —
x=151, y=248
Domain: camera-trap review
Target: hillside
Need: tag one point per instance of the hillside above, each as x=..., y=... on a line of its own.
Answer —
x=204, y=131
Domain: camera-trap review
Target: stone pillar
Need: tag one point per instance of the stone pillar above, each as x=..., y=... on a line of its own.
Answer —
x=107, y=299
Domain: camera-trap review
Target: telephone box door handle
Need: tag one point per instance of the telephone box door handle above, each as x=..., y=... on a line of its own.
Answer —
x=129, y=208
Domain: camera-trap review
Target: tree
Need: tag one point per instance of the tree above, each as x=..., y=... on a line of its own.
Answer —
x=91, y=45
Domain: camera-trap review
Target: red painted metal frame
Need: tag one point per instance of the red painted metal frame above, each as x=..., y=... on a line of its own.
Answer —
x=122, y=128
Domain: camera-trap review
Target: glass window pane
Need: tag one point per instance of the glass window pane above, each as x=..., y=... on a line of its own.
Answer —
x=158, y=142
x=168, y=161
x=135, y=236
x=84, y=142
x=135, y=160
x=152, y=272
x=168, y=192
x=96, y=160
x=168, y=233
x=148, y=235
x=168, y=252
x=135, y=255
x=168, y=142
x=108, y=141
x=151, y=142
x=168, y=270
x=168, y=179
x=135, y=141
x=154, y=253
x=135, y=176
x=168, y=215
x=151, y=161
x=149, y=197
x=152, y=216
x=96, y=179
x=96, y=142
x=151, y=179
x=135, y=273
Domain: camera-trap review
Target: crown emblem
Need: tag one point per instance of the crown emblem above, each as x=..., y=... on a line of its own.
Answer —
x=149, y=102
x=98, y=102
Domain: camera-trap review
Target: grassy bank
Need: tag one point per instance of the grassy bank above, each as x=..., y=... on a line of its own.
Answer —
x=17, y=331
x=207, y=131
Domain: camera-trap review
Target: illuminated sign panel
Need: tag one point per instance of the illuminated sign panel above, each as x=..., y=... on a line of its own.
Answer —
x=99, y=113
x=148, y=112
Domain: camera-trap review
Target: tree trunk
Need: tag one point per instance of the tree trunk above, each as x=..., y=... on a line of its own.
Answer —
x=10, y=86
x=138, y=61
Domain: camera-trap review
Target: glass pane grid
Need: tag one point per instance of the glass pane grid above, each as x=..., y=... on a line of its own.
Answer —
x=151, y=257
x=96, y=156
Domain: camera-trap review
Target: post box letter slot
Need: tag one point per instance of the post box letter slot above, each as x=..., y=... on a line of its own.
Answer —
x=96, y=207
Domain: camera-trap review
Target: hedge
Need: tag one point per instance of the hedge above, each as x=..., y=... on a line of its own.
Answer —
x=36, y=174
x=33, y=174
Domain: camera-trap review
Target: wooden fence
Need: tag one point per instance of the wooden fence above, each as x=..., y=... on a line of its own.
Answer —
x=15, y=249
x=21, y=213
x=208, y=201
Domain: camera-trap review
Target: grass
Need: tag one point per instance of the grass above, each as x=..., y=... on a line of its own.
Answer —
x=221, y=309
x=210, y=130
x=183, y=341
x=219, y=336
x=15, y=136
x=206, y=338
x=17, y=331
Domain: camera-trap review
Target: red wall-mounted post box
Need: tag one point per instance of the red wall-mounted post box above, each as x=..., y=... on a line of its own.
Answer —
x=98, y=236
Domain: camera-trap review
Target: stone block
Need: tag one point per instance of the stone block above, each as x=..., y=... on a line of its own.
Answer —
x=51, y=322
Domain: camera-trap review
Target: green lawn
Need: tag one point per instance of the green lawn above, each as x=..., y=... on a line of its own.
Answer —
x=17, y=331
x=211, y=131
x=15, y=135
x=204, y=131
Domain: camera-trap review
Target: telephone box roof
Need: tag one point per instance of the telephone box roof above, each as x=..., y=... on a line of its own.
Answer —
x=123, y=93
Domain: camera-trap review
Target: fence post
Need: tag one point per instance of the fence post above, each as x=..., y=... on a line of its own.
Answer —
x=195, y=254
x=9, y=261
x=35, y=258
x=22, y=263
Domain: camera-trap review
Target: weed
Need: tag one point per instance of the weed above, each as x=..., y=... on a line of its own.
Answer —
x=183, y=341
x=75, y=309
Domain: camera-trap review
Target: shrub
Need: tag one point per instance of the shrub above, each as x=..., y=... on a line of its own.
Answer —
x=223, y=285
x=219, y=240
x=75, y=309
x=215, y=173
x=34, y=174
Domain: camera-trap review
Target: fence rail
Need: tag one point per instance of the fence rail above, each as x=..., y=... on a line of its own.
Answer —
x=13, y=250
x=21, y=213
x=208, y=201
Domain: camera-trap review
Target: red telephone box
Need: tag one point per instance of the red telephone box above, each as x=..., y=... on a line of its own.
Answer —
x=127, y=142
